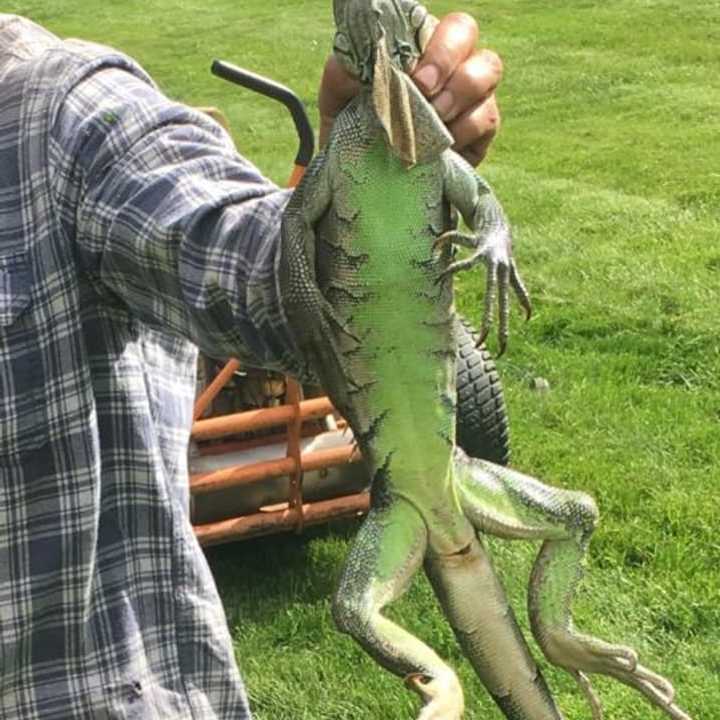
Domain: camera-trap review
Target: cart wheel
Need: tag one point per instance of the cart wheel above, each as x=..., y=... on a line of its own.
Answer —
x=482, y=422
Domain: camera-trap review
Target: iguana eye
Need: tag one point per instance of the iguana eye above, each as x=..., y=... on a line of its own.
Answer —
x=342, y=43
x=417, y=16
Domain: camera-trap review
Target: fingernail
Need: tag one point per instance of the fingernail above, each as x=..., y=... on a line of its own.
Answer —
x=444, y=103
x=427, y=77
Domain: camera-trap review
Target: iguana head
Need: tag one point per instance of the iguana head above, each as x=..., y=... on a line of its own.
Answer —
x=379, y=42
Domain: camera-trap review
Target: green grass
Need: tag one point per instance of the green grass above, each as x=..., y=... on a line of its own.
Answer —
x=608, y=164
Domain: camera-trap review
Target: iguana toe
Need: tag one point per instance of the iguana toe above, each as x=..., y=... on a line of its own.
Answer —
x=573, y=651
x=590, y=695
x=443, y=696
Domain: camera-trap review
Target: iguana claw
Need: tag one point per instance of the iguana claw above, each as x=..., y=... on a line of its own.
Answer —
x=454, y=237
x=586, y=686
x=520, y=290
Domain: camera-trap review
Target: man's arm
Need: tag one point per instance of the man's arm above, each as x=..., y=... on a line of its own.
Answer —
x=169, y=218
x=183, y=230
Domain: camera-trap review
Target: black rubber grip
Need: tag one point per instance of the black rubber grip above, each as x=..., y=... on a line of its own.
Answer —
x=274, y=90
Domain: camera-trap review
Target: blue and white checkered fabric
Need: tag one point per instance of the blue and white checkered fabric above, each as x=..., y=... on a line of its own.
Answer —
x=130, y=232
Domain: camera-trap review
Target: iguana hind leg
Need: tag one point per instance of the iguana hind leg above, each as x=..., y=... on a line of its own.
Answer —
x=510, y=505
x=383, y=559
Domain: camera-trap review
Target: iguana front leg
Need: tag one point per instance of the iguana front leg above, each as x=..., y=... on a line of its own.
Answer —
x=507, y=504
x=490, y=241
x=384, y=557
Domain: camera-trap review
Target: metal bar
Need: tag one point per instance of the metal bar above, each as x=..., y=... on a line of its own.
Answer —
x=241, y=445
x=294, y=451
x=204, y=483
x=250, y=420
x=211, y=391
x=268, y=523
x=276, y=91
x=296, y=176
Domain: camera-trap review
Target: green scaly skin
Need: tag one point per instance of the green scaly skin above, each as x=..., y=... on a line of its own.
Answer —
x=366, y=278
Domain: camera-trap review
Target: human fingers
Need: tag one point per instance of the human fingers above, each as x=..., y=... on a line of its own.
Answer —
x=337, y=88
x=473, y=81
x=451, y=44
x=475, y=130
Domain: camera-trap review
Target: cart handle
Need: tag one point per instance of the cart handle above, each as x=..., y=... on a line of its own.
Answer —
x=276, y=91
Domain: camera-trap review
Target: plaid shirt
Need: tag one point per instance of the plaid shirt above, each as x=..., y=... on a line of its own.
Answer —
x=130, y=233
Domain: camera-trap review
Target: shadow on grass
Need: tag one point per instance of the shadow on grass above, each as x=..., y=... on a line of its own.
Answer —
x=262, y=577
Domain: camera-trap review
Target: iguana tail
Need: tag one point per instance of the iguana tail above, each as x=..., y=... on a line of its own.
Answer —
x=478, y=611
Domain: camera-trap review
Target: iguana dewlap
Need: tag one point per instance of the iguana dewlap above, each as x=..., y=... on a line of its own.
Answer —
x=366, y=279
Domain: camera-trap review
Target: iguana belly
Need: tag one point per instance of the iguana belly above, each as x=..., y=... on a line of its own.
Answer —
x=406, y=356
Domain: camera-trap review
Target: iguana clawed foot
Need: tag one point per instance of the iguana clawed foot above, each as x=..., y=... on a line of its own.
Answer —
x=573, y=651
x=494, y=250
x=582, y=655
x=397, y=537
x=443, y=696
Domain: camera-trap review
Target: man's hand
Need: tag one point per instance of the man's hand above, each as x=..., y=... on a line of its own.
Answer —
x=458, y=79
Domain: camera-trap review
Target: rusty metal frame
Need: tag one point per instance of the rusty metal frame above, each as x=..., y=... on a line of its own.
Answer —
x=295, y=513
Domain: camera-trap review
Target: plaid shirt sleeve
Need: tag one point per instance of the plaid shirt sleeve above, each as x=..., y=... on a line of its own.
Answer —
x=171, y=219
x=129, y=228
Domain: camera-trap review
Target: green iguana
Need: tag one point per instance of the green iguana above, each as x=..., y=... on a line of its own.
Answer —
x=366, y=274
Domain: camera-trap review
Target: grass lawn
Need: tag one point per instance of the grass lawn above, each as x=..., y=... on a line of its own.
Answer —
x=609, y=166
